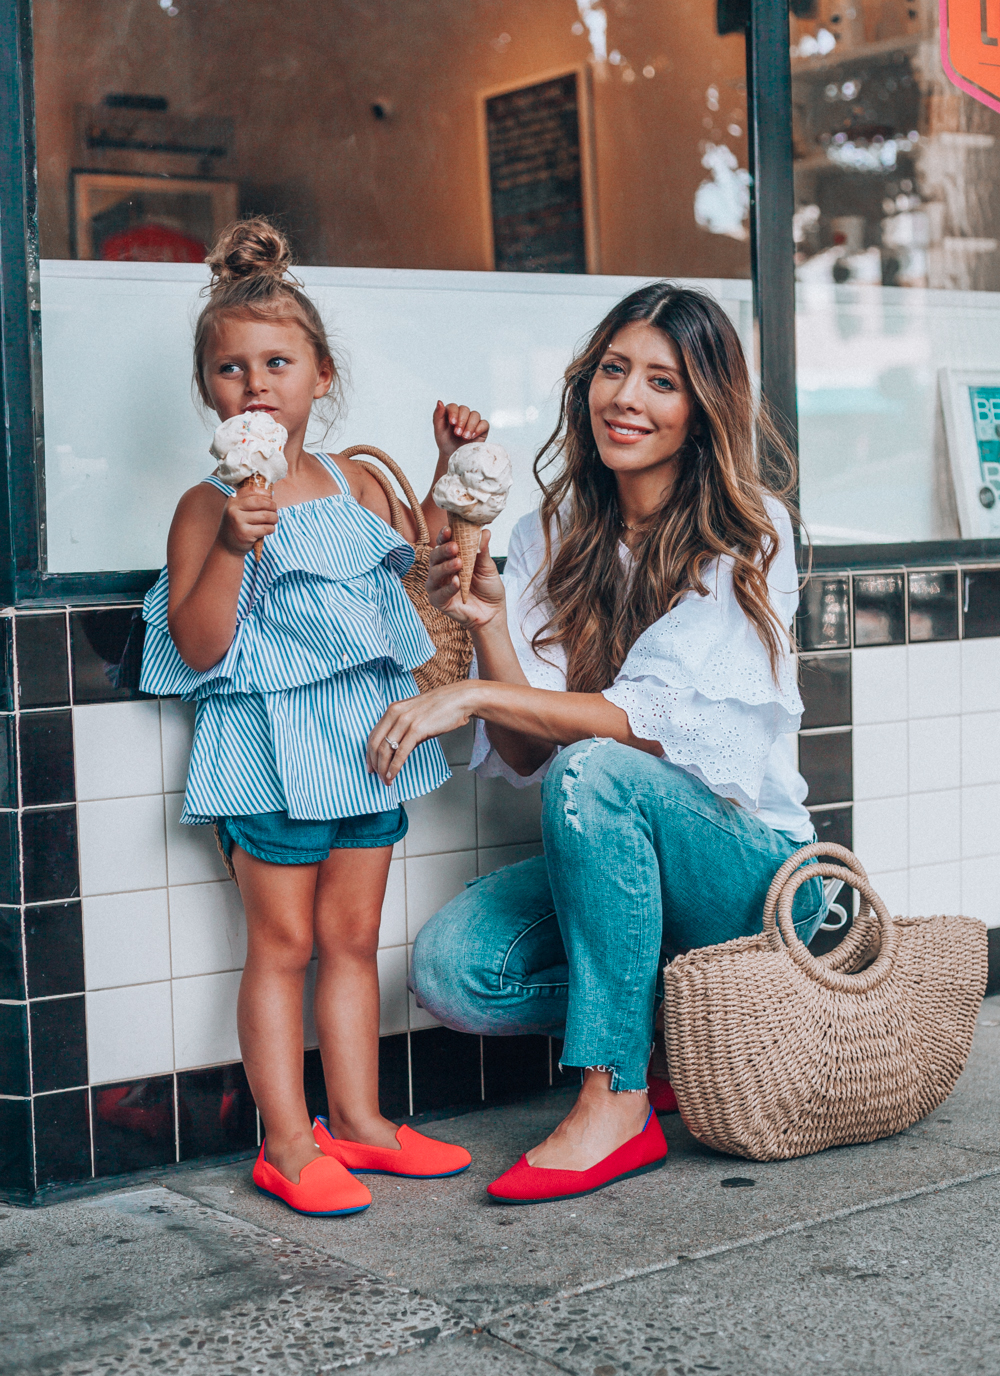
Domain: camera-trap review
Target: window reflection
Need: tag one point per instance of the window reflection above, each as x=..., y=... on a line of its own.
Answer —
x=897, y=251
x=534, y=135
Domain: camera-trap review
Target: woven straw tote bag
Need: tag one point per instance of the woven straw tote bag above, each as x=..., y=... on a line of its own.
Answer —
x=454, y=644
x=775, y=1053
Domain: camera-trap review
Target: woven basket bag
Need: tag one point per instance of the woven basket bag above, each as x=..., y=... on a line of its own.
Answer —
x=775, y=1053
x=454, y=644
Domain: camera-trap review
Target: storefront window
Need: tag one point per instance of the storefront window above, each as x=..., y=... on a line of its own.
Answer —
x=467, y=186
x=897, y=241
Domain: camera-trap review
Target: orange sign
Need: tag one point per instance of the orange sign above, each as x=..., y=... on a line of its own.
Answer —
x=970, y=47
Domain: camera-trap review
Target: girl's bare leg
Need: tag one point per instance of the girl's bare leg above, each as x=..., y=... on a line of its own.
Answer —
x=349, y=893
x=279, y=901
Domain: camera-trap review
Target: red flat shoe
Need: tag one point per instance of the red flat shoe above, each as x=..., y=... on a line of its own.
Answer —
x=527, y=1184
x=324, y=1190
x=662, y=1098
x=418, y=1157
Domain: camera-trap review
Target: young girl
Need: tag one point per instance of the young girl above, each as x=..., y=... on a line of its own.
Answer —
x=291, y=662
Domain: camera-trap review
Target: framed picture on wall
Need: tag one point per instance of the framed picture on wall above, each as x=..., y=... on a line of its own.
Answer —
x=970, y=407
x=539, y=213
x=121, y=217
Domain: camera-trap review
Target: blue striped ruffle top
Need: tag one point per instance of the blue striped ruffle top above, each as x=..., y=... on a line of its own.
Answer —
x=326, y=638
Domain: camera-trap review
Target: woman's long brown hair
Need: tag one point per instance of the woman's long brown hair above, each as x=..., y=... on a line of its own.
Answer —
x=732, y=457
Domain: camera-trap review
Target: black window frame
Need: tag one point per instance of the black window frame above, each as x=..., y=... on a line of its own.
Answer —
x=24, y=581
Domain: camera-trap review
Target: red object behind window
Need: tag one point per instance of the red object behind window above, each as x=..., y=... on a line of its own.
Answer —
x=152, y=244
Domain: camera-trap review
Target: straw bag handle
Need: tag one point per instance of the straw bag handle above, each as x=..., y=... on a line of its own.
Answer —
x=785, y=885
x=395, y=506
x=864, y=929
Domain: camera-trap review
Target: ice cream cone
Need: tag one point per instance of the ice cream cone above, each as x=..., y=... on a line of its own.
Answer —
x=258, y=483
x=466, y=535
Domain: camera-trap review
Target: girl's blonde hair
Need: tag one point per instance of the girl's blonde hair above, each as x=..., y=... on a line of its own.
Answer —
x=734, y=456
x=251, y=280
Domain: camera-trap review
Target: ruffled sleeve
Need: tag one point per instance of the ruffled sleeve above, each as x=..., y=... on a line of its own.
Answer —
x=325, y=597
x=699, y=681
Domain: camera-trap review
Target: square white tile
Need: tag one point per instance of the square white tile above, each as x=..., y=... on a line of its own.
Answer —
x=205, y=1020
x=980, y=748
x=935, y=889
x=457, y=745
x=935, y=828
x=126, y=938
x=117, y=748
x=980, y=890
x=508, y=815
x=935, y=678
x=419, y=1017
x=208, y=930
x=935, y=753
x=176, y=735
x=981, y=675
x=881, y=834
x=393, y=994
x=444, y=820
x=192, y=854
x=496, y=857
x=880, y=760
x=392, y=931
x=129, y=1032
x=980, y=820
x=879, y=687
x=431, y=881
x=122, y=845
x=894, y=890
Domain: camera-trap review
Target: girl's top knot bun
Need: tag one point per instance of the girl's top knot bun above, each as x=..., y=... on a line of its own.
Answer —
x=249, y=248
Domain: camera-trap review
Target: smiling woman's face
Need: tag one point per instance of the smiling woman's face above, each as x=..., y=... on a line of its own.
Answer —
x=641, y=406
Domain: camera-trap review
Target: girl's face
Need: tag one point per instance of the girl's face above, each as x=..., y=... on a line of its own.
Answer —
x=641, y=405
x=265, y=365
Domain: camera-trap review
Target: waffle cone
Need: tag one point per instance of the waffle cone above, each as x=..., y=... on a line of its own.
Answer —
x=258, y=483
x=466, y=535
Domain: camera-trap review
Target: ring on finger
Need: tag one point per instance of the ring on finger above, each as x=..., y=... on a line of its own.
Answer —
x=393, y=745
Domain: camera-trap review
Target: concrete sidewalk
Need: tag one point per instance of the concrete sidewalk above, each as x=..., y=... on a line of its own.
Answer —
x=875, y=1259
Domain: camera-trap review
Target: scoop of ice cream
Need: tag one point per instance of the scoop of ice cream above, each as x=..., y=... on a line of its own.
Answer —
x=251, y=443
x=477, y=483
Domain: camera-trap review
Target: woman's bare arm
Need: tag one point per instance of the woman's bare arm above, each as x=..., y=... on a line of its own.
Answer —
x=208, y=541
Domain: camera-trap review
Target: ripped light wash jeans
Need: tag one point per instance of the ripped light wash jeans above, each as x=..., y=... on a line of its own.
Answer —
x=642, y=861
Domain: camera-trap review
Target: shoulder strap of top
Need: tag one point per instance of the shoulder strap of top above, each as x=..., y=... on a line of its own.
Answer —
x=334, y=471
x=223, y=487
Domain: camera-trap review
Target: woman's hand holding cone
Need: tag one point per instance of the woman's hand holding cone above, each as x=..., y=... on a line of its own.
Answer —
x=485, y=598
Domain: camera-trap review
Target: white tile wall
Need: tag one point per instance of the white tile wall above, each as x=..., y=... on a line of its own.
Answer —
x=126, y=938
x=164, y=930
x=927, y=826
x=205, y=1019
x=130, y=1032
x=207, y=929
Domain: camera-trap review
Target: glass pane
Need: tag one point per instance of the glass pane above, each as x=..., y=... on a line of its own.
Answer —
x=897, y=225
x=414, y=154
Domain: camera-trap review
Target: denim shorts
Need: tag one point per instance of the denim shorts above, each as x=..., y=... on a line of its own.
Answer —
x=283, y=840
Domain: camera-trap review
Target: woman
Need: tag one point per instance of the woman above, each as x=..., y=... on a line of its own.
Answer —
x=635, y=655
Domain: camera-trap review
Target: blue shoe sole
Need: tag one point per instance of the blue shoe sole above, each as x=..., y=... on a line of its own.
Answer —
x=311, y=1213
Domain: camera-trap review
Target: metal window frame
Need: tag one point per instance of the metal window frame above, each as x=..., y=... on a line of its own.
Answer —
x=23, y=579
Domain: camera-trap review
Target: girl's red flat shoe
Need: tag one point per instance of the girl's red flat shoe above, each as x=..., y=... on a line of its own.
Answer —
x=662, y=1098
x=324, y=1189
x=526, y=1184
x=419, y=1157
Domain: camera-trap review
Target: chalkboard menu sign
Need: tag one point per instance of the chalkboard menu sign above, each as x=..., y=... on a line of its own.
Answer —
x=536, y=186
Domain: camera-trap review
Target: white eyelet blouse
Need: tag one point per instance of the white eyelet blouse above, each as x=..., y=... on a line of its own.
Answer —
x=698, y=681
